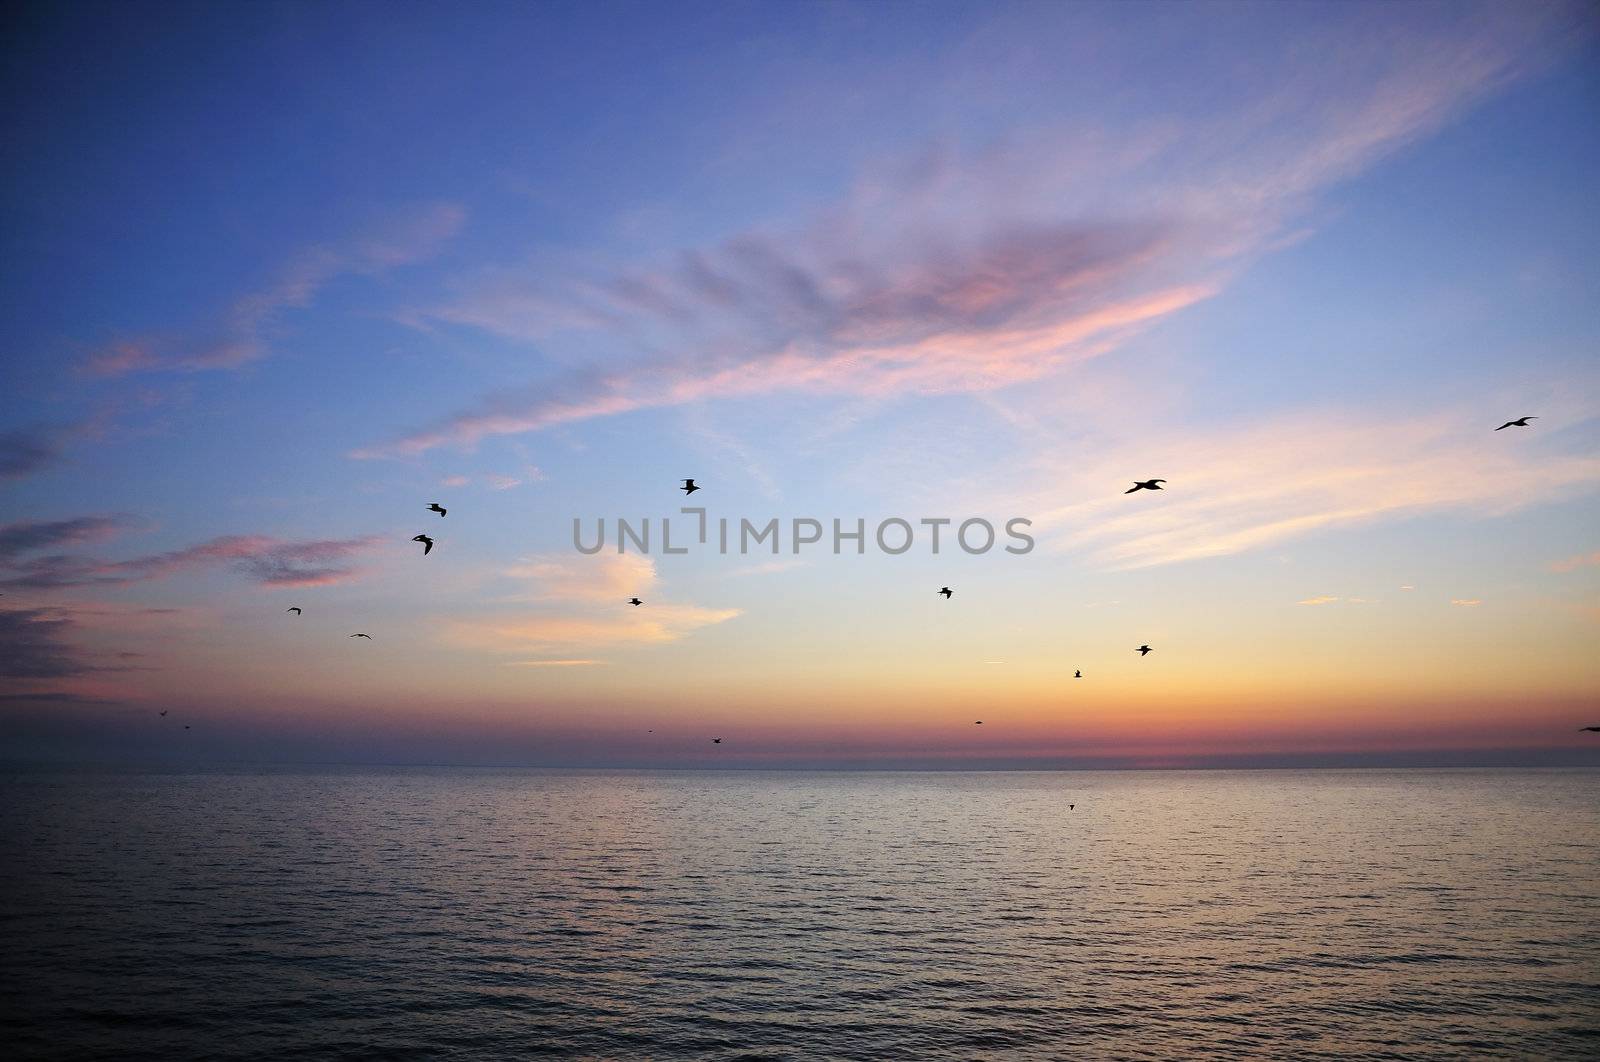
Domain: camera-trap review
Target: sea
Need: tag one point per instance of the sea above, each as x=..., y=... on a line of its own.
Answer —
x=460, y=913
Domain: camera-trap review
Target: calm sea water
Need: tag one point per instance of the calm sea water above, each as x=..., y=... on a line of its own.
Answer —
x=450, y=913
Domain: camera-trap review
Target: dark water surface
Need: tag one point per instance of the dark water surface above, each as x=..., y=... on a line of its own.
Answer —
x=456, y=913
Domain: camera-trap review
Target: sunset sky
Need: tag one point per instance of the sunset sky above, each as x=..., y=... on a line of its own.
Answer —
x=278, y=276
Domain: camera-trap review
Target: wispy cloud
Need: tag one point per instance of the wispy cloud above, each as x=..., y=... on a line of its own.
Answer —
x=767, y=567
x=1466, y=602
x=662, y=624
x=1318, y=601
x=24, y=451
x=38, y=447
x=33, y=645
x=582, y=601
x=1236, y=487
x=1572, y=564
x=553, y=663
x=270, y=561
x=31, y=535
x=970, y=271
x=243, y=331
x=605, y=579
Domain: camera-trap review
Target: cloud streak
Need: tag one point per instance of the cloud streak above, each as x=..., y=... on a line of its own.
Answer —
x=963, y=272
x=31, y=535
x=270, y=561
x=24, y=451
x=583, y=602
x=33, y=646
x=1236, y=487
x=242, y=333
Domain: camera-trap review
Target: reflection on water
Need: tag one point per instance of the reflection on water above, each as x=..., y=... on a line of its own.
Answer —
x=465, y=913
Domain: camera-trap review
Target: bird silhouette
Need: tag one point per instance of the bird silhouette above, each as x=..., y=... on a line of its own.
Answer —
x=293, y=608
x=688, y=486
x=946, y=591
x=368, y=637
x=163, y=711
x=1143, y=650
x=716, y=741
x=634, y=601
x=427, y=543
x=435, y=507
x=1581, y=729
x=1072, y=807
x=978, y=722
x=186, y=726
x=1145, y=484
x=1077, y=674
x=1520, y=422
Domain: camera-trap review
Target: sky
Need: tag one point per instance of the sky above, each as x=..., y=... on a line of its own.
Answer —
x=281, y=275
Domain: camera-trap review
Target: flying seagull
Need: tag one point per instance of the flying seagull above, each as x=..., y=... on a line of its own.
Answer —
x=186, y=726
x=427, y=543
x=688, y=486
x=978, y=723
x=1072, y=807
x=1145, y=484
x=634, y=601
x=946, y=591
x=716, y=741
x=1143, y=650
x=435, y=507
x=293, y=608
x=163, y=711
x=368, y=637
x=1581, y=729
x=1520, y=422
x=1077, y=674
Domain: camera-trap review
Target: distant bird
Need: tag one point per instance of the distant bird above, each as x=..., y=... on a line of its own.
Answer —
x=1581, y=729
x=634, y=601
x=1143, y=650
x=978, y=723
x=186, y=726
x=435, y=507
x=163, y=711
x=1145, y=484
x=688, y=486
x=368, y=637
x=1072, y=807
x=1077, y=674
x=1520, y=422
x=293, y=608
x=427, y=543
x=946, y=591
x=714, y=741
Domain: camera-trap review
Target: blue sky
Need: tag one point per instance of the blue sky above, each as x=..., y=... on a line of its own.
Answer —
x=280, y=275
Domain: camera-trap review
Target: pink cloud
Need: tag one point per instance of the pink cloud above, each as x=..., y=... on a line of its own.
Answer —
x=553, y=663
x=583, y=601
x=1572, y=564
x=1240, y=486
x=270, y=561
x=969, y=271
